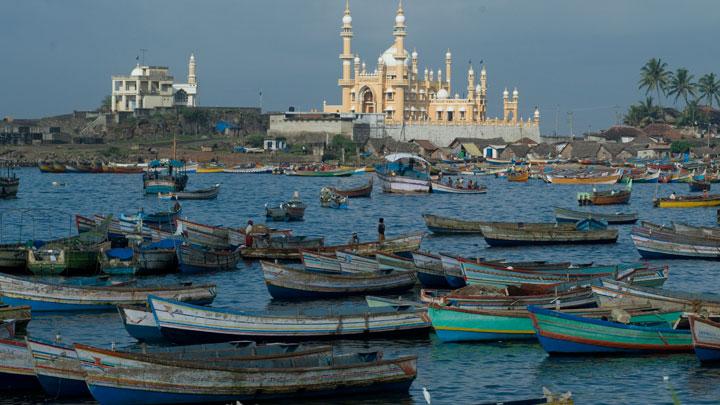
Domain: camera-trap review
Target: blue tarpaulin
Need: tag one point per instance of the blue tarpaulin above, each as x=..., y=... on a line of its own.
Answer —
x=120, y=253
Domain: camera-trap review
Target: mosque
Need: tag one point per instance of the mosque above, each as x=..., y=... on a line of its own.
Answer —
x=423, y=104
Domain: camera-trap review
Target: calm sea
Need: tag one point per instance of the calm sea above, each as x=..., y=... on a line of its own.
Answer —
x=453, y=373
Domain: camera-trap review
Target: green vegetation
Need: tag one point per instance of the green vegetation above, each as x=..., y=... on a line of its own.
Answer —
x=654, y=76
x=680, y=146
x=643, y=113
x=254, y=140
x=336, y=147
x=709, y=89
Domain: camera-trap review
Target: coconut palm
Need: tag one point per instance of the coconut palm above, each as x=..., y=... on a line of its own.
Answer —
x=643, y=113
x=681, y=85
x=709, y=89
x=654, y=77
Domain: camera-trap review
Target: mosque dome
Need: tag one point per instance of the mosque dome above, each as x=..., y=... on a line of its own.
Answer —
x=388, y=57
x=506, y=93
x=516, y=93
x=399, y=19
x=347, y=19
x=414, y=54
x=448, y=55
x=357, y=59
x=537, y=113
x=478, y=88
x=137, y=71
x=442, y=94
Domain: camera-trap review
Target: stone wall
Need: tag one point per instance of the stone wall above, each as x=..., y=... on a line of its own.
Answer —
x=443, y=135
x=280, y=126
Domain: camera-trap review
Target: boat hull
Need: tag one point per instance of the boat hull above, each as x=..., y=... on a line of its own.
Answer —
x=402, y=185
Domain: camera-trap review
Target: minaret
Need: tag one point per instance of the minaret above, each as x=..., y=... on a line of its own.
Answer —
x=483, y=82
x=192, y=78
x=448, y=70
x=471, y=84
x=536, y=116
x=347, y=58
x=415, y=64
x=400, y=56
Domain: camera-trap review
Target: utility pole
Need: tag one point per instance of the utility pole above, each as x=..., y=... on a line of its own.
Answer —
x=570, y=123
x=261, y=101
x=557, y=115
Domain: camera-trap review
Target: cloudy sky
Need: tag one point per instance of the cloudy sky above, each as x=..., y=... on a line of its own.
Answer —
x=563, y=55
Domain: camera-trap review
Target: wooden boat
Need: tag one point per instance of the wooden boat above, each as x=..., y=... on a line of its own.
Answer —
x=618, y=218
x=120, y=168
x=320, y=262
x=613, y=293
x=9, y=184
x=287, y=283
x=354, y=263
x=404, y=173
x=254, y=169
x=197, y=259
x=705, y=338
x=585, y=179
x=440, y=225
x=291, y=210
x=658, y=242
x=548, y=398
x=209, y=193
x=216, y=237
x=20, y=315
x=646, y=177
x=437, y=187
x=16, y=368
x=179, y=322
x=404, y=243
x=164, y=178
x=118, y=261
x=139, y=323
x=391, y=262
x=452, y=268
x=46, y=261
x=518, y=234
x=610, y=197
x=355, y=192
x=457, y=324
x=561, y=333
x=329, y=199
x=58, y=369
x=321, y=173
x=429, y=270
x=699, y=186
x=688, y=201
x=158, y=380
x=156, y=257
x=474, y=296
x=520, y=176
x=13, y=257
x=211, y=168
x=49, y=297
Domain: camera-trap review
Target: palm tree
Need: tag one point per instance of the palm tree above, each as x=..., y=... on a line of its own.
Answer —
x=643, y=113
x=681, y=85
x=709, y=88
x=654, y=76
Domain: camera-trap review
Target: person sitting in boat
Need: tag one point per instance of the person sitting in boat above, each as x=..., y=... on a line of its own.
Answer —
x=354, y=240
x=470, y=185
x=673, y=196
x=248, y=234
x=449, y=181
x=706, y=194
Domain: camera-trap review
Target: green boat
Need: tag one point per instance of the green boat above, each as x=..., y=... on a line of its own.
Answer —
x=47, y=261
x=453, y=324
x=562, y=333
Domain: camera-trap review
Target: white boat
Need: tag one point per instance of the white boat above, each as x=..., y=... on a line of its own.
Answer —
x=444, y=188
x=404, y=173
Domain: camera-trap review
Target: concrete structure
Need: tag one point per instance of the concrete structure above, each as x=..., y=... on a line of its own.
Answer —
x=422, y=104
x=149, y=87
x=274, y=144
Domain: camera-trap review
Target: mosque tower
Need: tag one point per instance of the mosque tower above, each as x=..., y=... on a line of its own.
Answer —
x=192, y=78
x=347, y=58
x=400, y=57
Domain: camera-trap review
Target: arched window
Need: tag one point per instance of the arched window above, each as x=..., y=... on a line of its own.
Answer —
x=181, y=97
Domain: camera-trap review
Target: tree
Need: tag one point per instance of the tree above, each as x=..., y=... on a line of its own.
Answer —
x=255, y=140
x=680, y=146
x=105, y=104
x=709, y=89
x=196, y=117
x=693, y=116
x=681, y=85
x=654, y=77
x=643, y=113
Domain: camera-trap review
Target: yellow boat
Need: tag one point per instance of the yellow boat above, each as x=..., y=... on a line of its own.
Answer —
x=210, y=169
x=688, y=201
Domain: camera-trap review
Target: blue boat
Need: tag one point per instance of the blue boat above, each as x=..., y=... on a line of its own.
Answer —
x=16, y=368
x=140, y=323
x=429, y=270
x=706, y=339
x=163, y=178
x=453, y=272
x=58, y=369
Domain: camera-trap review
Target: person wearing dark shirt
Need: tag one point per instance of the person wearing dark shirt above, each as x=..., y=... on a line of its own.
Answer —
x=381, y=229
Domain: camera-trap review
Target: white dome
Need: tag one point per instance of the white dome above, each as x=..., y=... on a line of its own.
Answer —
x=448, y=55
x=506, y=93
x=388, y=57
x=516, y=93
x=483, y=71
x=357, y=59
x=347, y=19
x=137, y=71
x=478, y=88
x=400, y=19
x=414, y=54
x=537, y=113
x=442, y=94
x=380, y=60
x=471, y=71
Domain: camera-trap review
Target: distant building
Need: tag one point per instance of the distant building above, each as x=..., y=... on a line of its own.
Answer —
x=274, y=144
x=149, y=87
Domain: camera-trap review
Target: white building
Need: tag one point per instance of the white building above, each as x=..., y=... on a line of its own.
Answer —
x=150, y=87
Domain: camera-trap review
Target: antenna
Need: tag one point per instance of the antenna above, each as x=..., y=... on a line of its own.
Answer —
x=142, y=52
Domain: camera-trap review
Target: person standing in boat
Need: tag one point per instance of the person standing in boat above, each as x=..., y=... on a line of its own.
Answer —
x=381, y=229
x=248, y=234
x=354, y=240
x=673, y=196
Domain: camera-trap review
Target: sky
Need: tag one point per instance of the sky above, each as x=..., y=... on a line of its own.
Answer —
x=578, y=58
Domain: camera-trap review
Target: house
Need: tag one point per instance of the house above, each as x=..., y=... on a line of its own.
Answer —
x=515, y=151
x=706, y=153
x=525, y=141
x=380, y=147
x=585, y=150
x=619, y=151
x=666, y=132
x=470, y=151
x=542, y=151
x=428, y=149
x=481, y=143
x=617, y=133
x=274, y=144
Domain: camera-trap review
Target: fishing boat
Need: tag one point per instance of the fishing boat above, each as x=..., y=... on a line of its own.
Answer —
x=688, y=201
x=13, y=257
x=123, y=168
x=9, y=183
x=705, y=338
x=429, y=270
x=159, y=381
x=518, y=176
x=58, y=369
x=519, y=234
x=208, y=236
x=659, y=244
x=392, y=262
x=46, y=261
x=610, y=197
x=330, y=199
x=354, y=263
x=16, y=368
x=55, y=297
x=288, y=283
x=321, y=173
x=320, y=262
x=404, y=173
x=210, y=168
x=474, y=296
x=198, y=259
x=458, y=324
x=118, y=261
x=452, y=268
x=291, y=210
x=253, y=169
x=180, y=322
x=617, y=218
x=562, y=333
x=139, y=323
x=163, y=178
x=355, y=192
x=156, y=257
x=404, y=243
x=21, y=317
x=699, y=185
x=650, y=176
x=591, y=178
x=614, y=293
x=437, y=187
x=442, y=225
x=209, y=193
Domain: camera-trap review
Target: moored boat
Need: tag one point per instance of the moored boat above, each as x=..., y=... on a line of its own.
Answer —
x=699, y=185
x=618, y=218
x=518, y=234
x=688, y=201
x=437, y=187
x=330, y=199
x=197, y=259
x=439, y=224
x=593, y=178
x=613, y=293
x=16, y=368
x=209, y=193
x=429, y=270
x=355, y=192
x=9, y=183
x=705, y=338
x=58, y=369
x=404, y=173
x=291, y=210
